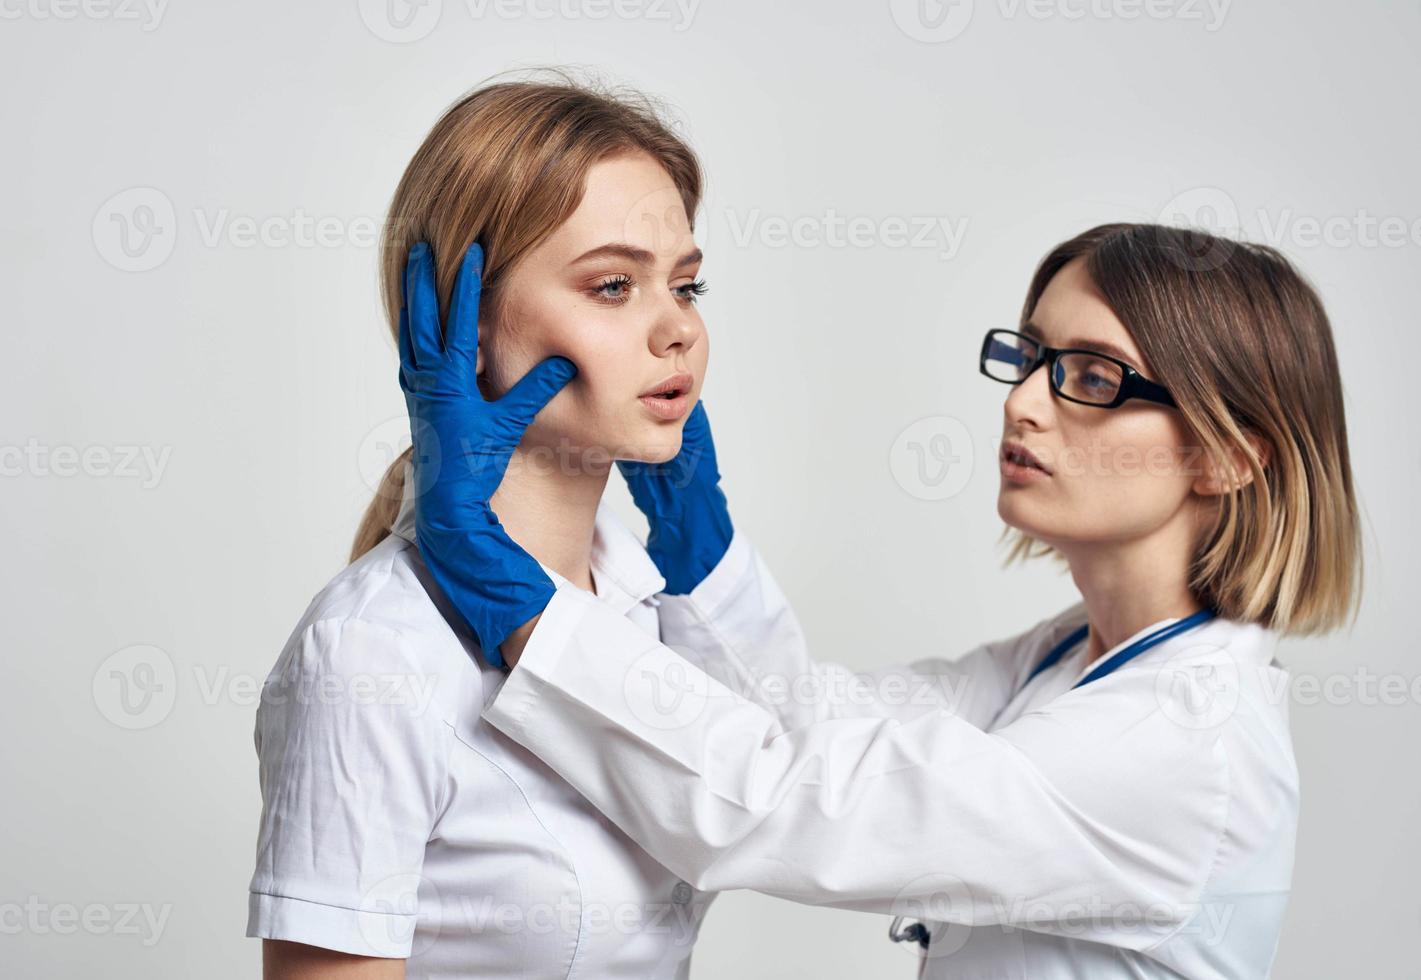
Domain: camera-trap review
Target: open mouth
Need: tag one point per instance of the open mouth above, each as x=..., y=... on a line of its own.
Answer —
x=670, y=400
x=1017, y=455
x=670, y=389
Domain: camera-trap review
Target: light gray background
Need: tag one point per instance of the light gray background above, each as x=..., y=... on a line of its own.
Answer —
x=255, y=372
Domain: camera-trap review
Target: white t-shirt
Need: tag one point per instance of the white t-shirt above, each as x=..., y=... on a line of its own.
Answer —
x=397, y=823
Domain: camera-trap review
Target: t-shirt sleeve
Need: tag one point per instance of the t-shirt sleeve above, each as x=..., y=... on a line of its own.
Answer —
x=353, y=755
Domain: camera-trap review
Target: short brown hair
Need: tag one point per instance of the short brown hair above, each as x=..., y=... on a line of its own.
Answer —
x=1242, y=342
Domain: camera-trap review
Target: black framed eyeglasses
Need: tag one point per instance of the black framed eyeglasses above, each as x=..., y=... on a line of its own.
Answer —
x=1086, y=377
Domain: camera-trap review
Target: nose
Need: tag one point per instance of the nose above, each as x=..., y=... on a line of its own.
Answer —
x=1029, y=405
x=674, y=326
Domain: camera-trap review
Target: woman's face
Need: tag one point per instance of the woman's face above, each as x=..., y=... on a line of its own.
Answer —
x=614, y=291
x=1108, y=476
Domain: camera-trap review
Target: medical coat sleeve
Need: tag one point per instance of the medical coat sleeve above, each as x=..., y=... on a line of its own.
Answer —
x=352, y=784
x=739, y=628
x=1098, y=803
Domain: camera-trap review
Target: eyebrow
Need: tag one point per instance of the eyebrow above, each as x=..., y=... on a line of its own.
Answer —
x=1084, y=343
x=638, y=255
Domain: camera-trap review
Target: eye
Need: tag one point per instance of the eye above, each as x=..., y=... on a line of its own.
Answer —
x=1098, y=375
x=614, y=290
x=691, y=291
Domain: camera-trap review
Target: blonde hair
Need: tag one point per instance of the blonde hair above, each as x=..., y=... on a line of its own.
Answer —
x=505, y=166
x=1242, y=342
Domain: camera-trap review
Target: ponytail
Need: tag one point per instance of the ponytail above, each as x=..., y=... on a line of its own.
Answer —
x=381, y=514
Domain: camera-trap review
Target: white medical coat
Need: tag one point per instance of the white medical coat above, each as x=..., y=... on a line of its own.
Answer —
x=1140, y=826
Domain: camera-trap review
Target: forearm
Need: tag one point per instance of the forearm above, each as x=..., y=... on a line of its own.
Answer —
x=282, y=960
x=861, y=813
x=740, y=628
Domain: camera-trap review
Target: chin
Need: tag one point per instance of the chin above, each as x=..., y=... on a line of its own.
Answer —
x=654, y=444
x=1017, y=517
x=664, y=452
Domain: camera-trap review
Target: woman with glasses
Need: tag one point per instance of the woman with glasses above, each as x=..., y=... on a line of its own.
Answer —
x=1110, y=793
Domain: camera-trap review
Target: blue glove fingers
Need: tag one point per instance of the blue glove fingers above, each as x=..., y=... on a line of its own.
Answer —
x=697, y=428
x=462, y=337
x=697, y=456
x=462, y=446
x=407, y=365
x=534, y=390
x=655, y=486
x=690, y=528
x=422, y=301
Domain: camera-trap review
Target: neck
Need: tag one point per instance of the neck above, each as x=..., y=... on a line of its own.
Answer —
x=550, y=511
x=1128, y=587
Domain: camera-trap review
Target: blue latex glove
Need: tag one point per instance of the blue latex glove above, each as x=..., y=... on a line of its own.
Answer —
x=462, y=445
x=682, y=500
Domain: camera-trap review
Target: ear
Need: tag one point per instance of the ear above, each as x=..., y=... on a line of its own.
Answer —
x=1221, y=476
x=479, y=362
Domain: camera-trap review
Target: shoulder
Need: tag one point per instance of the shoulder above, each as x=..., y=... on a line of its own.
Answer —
x=1224, y=679
x=374, y=626
x=1151, y=793
x=1225, y=683
x=1184, y=747
x=1195, y=696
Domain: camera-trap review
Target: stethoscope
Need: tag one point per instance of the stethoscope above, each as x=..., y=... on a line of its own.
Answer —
x=918, y=932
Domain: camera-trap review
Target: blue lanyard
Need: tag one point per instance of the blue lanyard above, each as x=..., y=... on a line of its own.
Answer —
x=1124, y=656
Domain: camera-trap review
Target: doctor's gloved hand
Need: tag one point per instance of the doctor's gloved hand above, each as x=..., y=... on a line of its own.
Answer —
x=462, y=445
x=682, y=500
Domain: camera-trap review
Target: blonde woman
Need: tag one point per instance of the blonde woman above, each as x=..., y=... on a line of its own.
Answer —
x=401, y=836
x=1111, y=793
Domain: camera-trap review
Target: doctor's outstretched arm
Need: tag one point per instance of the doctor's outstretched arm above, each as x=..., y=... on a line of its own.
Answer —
x=740, y=628
x=723, y=610
x=1062, y=807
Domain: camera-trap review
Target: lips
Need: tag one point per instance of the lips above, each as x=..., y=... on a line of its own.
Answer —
x=672, y=388
x=1018, y=455
x=670, y=400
